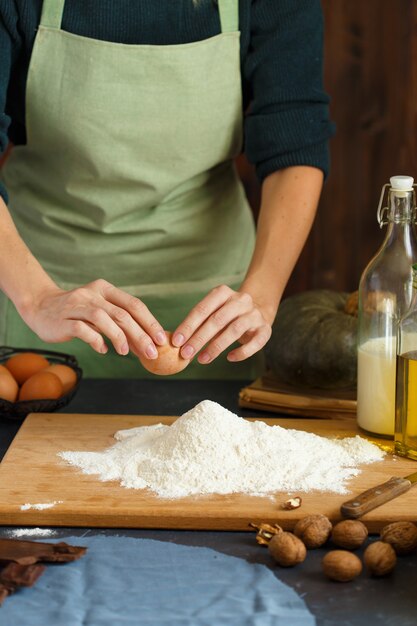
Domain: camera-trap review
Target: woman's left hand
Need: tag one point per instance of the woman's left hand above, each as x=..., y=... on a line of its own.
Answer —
x=217, y=321
x=289, y=201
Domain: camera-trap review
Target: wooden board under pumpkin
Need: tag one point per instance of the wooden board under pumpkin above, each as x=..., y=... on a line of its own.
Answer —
x=270, y=394
x=31, y=473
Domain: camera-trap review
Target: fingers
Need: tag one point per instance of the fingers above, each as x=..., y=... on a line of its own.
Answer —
x=81, y=330
x=119, y=326
x=139, y=341
x=97, y=317
x=198, y=315
x=138, y=312
x=223, y=317
x=124, y=319
x=99, y=309
x=256, y=343
x=237, y=329
x=232, y=318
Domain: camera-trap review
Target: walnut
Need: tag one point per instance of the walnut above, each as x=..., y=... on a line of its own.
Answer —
x=265, y=532
x=292, y=503
x=341, y=565
x=401, y=535
x=349, y=534
x=287, y=549
x=313, y=530
x=380, y=558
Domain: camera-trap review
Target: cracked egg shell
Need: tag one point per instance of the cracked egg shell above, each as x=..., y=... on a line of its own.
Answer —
x=168, y=362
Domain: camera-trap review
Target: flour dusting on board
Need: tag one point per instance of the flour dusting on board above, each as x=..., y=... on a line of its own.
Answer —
x=41, y=506
x=18, y=533
x=211, y=450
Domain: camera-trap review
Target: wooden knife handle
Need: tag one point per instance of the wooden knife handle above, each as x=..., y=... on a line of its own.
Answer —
x=372, y=498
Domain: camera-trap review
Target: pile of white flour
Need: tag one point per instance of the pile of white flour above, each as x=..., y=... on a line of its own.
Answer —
x=211, y=450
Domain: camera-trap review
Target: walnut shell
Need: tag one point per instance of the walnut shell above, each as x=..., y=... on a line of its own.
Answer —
x=313, y=530
x=349, y=534
x=265, y=532
x=401, y=535
x=287, y=549
x=380, y=558
x=292, y=503
x=341, y=565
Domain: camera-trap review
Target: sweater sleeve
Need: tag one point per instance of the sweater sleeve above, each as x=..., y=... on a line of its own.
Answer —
x=287, y=123
x=8, y=48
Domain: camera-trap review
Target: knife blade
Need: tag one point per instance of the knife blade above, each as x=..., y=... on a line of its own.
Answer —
x=374, y=497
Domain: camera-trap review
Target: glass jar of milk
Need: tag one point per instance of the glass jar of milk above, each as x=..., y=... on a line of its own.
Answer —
x=385, y=292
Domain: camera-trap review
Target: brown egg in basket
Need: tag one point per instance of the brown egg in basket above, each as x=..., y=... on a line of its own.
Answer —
x=29, y=371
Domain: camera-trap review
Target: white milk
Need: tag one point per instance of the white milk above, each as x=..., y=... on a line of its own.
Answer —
x=376, y=383
x=376, y=386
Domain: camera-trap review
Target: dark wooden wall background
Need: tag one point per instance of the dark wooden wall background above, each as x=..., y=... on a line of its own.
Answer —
x=371, y=76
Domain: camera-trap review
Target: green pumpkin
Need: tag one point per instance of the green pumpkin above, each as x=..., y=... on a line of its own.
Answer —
x=314, y=341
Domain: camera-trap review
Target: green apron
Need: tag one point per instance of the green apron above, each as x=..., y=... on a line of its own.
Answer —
x=128, y=175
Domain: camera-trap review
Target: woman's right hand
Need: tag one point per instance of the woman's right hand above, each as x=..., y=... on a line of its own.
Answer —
x=92, y=312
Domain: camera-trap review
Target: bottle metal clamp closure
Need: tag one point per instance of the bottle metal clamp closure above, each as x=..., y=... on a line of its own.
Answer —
x=382, y=212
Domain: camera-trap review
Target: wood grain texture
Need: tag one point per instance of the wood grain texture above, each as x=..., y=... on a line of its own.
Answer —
x=32, y=473
x=371, y=76
x=370, y=73
x=269, y=394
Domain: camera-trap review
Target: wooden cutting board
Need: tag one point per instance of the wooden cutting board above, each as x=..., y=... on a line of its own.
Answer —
x=31, y=473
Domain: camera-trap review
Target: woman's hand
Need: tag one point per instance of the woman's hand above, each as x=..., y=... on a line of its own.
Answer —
x=93, y=311
x=216, y=322
x=289, y=202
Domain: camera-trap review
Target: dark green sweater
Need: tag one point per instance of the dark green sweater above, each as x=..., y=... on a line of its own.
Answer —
x=281, y=64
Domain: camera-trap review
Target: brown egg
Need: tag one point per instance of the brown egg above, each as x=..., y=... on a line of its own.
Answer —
x=66, y=374
x=41, y=386
x=169, y=360
x=4, y=370
x=8, y=387
x=23, y=365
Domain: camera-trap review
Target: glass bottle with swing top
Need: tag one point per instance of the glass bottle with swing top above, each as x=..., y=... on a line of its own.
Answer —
x=385, y=292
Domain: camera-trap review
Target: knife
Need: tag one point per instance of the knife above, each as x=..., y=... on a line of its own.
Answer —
x=374, y=497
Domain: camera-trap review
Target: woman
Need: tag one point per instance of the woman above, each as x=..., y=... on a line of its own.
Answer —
x=121, y=212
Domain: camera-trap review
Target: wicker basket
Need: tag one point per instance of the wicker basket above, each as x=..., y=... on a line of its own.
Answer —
x=19, y=410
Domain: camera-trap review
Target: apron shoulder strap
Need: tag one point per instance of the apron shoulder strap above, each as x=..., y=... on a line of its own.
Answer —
x=52, y=11
x=229, y=15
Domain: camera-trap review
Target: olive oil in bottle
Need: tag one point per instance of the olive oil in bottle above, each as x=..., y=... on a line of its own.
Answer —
x=406, y=380
x=406, y=405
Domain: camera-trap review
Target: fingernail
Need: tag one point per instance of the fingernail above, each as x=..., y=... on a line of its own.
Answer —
x=178, y=340
x=124, y=349
x=151, y=352
x=204, y=357
x=231, y=357
x=104, y=350
x=161, y=338
x=187, y=352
